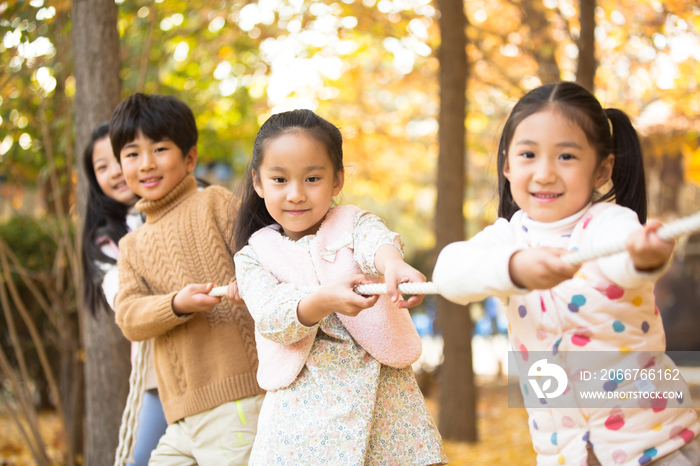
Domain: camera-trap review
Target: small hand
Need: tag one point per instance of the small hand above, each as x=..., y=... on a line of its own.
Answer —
x=647, y=250
x=540, y=268
x=195, y=298
x=341, y=297
x=397, y=271
x=233, y=294
x=338, y=296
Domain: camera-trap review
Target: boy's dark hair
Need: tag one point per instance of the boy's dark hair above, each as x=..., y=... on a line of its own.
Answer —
x=104, y=218
x=252, y=214
x=582, y=108
x=158, y=117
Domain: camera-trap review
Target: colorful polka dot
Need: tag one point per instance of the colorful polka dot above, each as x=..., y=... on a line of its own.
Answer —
x=554, y=438
x=526, y=390
x=657, y=428
x=524, y=353
x=619, y=456
x=555, y=347
x=647, y=456
x=544, y=309
x=637, y=301
x=616, y=419
x=658, y=404
x=576, y=302
x=618, y=326
x=686, y=434
x=566, y=421
x=580, y=340
x=524, y=228
x=586, y=222
x=614, y=292
x=541, y=333
x=534, y=424
x=625, y=349
x=522, y=311
x=610, y=386
x=586, y=436
x=645, y=326
x=561, y=459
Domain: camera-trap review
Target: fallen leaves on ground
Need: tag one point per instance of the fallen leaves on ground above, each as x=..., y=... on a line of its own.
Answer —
x=504, y=438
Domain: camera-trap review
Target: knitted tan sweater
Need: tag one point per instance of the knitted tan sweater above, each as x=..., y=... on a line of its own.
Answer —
x=202, y=359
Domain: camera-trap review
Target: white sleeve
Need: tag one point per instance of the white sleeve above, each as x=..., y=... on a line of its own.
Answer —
x=614, y=225
x=110, y=282
x=470, y=271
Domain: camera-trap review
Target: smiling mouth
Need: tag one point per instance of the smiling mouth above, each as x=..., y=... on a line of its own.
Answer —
x=150, y=181
x=545, y=195
x=296, y=212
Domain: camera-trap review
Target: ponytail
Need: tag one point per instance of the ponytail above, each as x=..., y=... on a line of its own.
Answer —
x=629, y=185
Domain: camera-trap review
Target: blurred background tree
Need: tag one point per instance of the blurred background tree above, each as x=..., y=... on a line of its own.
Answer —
x=371, y=67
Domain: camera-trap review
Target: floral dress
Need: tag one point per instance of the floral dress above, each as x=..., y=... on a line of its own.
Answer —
x=344, y=408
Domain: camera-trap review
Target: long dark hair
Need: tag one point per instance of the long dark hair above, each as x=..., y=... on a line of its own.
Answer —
x=252, y=214
x=583, y=109
x=104, y=217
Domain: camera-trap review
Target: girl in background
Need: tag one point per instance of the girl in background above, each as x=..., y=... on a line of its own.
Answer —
x=337, y=365
x=110, y=216
x=558, y=147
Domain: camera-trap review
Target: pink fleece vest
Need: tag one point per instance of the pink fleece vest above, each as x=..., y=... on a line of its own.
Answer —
x=384, y=330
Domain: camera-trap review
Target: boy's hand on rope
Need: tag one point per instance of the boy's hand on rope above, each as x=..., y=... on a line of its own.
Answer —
x=338, y=296
x=540, y=268
x=195, y=298
x=233, y=294
x=647, y=250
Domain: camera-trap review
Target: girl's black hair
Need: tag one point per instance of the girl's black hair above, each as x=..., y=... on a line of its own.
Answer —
x=252, y=214
x=609, y=131
x=104, y=217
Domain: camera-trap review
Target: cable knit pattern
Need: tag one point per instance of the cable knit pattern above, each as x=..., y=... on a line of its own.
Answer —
x=203, y=359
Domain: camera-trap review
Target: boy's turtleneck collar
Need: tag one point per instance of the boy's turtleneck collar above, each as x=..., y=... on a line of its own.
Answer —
x=154, y=210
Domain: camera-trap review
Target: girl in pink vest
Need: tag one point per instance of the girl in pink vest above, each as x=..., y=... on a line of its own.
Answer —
x=559, y=146
x=337, y=365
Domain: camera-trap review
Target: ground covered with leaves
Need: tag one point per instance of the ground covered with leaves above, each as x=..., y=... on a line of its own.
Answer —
x=503, y=434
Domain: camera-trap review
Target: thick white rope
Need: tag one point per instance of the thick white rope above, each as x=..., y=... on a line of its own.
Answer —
x=130, y=418
x=671, y=231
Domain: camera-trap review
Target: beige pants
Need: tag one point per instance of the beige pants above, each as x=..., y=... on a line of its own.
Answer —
x=221, y=436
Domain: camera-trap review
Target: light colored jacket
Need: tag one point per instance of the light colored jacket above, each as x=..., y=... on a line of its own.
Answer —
x=384, y=330
x=587, y=313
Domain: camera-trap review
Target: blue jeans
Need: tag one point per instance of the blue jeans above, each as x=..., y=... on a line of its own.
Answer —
x=152, y=426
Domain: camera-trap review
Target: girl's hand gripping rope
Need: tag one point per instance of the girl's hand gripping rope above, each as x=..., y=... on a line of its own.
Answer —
x=647, y=250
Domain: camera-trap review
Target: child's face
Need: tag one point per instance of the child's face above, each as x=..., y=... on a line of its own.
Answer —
x=297, y=180
x=153, y=168
x=552, y=168
x=109, y=174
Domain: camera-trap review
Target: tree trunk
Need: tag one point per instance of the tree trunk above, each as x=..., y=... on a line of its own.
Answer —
x=543, y=45
x=98, y=88
x=585, y=73
x=457, y=418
